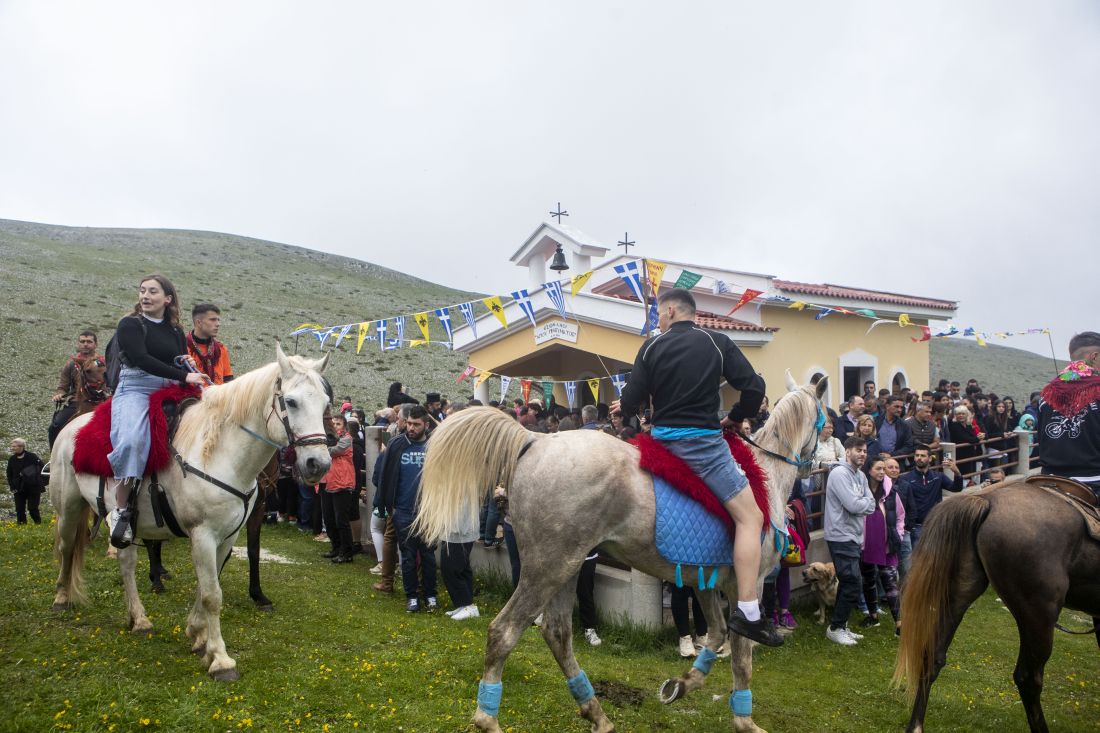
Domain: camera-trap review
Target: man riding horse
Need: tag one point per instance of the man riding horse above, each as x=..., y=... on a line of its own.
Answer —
x=1069, y=415
x=70, y=382
x=681, y=369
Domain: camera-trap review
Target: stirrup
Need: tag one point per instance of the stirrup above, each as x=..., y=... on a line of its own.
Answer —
x=121, y=529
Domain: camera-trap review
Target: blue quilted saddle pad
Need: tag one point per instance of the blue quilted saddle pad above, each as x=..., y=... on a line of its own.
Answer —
x=686, y=533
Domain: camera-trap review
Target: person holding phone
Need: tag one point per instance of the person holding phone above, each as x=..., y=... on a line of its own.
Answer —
x=922, y=488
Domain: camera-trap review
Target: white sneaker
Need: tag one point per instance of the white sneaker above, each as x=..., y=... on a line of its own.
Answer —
x=377, y=569
x=839, y=636
x=594, y=639
x=461, y=614
x=853, y=634
x=452, y=612
x=687, y=647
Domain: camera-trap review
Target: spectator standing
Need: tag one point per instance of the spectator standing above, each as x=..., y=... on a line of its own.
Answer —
x=589, y=414
x=922, y=428
x=340, y=492
x=893, y=485
x=881, y=545
x=25, y=481
x=397, y=494
x=996, y=426
x=966, y=438
x=866, y=430
x=397, y=396
x=923, y=488
x=846, y=423
x=894, y=434
x=848, y=500
x=433, y=403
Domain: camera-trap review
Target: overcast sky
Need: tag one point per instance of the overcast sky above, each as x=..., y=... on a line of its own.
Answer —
x=942, y=148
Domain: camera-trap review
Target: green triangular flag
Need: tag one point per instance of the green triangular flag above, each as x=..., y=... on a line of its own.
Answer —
x=687, y=280
x=548, y=393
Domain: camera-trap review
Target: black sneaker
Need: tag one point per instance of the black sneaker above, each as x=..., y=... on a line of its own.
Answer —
x=760, y=631
x=412, y=606
x=869, y=622
x=340, y=559
x=330, y=554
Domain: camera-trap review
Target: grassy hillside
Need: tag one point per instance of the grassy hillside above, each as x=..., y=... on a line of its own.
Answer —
x=55, y=281
x=999, y=369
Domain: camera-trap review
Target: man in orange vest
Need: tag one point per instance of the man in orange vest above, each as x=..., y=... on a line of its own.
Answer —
x=211, y=356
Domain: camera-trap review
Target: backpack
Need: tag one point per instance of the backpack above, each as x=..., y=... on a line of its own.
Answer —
x=116, y=359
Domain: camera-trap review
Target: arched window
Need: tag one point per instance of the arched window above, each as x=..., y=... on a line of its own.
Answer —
x=899, y=382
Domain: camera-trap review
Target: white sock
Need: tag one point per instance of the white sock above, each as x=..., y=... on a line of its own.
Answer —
x=751, y=609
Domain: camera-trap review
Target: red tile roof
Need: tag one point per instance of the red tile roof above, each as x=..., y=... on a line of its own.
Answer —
x=725, y=323
x=876, y=296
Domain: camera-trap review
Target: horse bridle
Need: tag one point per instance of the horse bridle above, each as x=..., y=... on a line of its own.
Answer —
x=796, y=460
x=298, y=441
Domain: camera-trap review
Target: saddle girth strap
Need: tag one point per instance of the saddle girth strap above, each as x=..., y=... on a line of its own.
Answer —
x=100, y=504
x=162, y=508
x=245, y=498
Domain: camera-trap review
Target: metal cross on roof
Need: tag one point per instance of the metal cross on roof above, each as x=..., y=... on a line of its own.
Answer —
x=626, y=244
x=559, y=213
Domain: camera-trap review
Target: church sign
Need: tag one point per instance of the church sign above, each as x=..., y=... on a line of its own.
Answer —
x=556, y=330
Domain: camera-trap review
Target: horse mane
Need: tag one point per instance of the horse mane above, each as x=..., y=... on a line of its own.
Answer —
x=789, y=417
x=235, y=403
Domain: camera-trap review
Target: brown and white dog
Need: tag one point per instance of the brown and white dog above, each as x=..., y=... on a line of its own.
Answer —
x=821, y=577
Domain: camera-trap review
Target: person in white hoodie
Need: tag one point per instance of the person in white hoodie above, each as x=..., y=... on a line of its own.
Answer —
x=848, y=500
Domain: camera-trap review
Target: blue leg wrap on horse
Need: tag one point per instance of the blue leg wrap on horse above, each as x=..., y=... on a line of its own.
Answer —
x=679, y=576
x=580, y=688
x=702, y=579
x=713, y=579
x=741, y=702
x=488, y=697
x=704, y=660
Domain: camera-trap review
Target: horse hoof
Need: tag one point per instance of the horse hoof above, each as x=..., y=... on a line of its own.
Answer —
x=165, y=575
x=672, y=690
x=61, y=606
x=158, y=588
x=141, y=628
x=265, y=607
x=226, y=675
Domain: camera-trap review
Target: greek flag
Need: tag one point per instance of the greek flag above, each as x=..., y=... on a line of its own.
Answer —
x=553, y=289
x=619, y=380
x=721, y=287
x=468, y=313
x=399, y=327
x=342, y=334
x=380, y=331
x=444, y=315
x=652, y=321
x=571, y=393
x=629, y=274
x=323, y=334
x=523, y=300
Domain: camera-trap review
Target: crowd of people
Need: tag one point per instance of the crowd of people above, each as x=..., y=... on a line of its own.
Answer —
x=880, y=463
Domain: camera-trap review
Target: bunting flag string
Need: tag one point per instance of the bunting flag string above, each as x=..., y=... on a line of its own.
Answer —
x=482, y=377
x=399, y=327
x=380, y=330
x=340, y=336
x=496, y=308
x=422, y=321
x=687, y=280
x=594, y=387
x=525, y=389
x=629, y=273
x=656, y=271
x=505, y=383
x=467, y=372
x=577, y=282
x=746, y=297
x=547, y=392
x=444, y=316
x=721, y=287
x=571, y=393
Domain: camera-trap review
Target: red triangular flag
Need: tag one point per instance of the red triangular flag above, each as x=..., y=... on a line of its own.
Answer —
x=925, y=335
x=745, y=298
x=525, y=389
x=467, y=372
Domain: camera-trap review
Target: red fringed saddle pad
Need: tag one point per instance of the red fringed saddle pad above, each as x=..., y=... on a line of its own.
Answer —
x=660, y=462
x=93, y=442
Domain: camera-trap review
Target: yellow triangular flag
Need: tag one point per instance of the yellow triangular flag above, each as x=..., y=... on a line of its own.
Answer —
x=493, y=303
x=417, y=342
x=594, y=385
x=656, y=272
x=578, y=281
x=363, y=327
x=903, y=320
x=798, y=305
x=981, y=341
x=482, y=377
x=422, y=321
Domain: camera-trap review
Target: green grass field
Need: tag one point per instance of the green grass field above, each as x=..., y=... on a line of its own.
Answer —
x=336, y=656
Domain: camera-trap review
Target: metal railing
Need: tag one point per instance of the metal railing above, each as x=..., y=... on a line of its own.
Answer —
x=1003, y=453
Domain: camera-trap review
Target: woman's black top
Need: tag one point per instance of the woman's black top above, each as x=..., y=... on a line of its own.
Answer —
x=154, y=348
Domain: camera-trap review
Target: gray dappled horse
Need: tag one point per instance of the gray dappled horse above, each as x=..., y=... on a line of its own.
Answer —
x=1035, y=550
x=571, y=491
x=224, y=441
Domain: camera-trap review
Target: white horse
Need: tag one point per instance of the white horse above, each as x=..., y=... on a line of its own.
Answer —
x=582, y=489
x=219, y=448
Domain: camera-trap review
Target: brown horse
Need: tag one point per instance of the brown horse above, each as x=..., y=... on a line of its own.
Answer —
x=1032, y=546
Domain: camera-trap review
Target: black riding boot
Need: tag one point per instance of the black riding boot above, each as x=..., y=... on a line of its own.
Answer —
x=122, y=535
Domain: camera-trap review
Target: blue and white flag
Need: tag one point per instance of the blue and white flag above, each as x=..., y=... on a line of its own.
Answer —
x=557, y=297
x=343, y=332
x=380, y=331
x=629, y=273
x=721, y=287
x=505, y=383
x=323, y=334
x=619, y=380
x=392, y=344
x=824, y=312
x=653, y=320
x=444, y=315
x=571, y=393
x=523, y=300
x=468, y=313
x=399, y=328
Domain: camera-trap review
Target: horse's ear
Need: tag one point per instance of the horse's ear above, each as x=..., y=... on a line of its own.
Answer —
x=792, y=386
x=321, y=364
x=281, y=357
x=822, y=387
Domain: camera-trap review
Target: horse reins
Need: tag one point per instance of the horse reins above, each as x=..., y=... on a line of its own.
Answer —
x=800, y=463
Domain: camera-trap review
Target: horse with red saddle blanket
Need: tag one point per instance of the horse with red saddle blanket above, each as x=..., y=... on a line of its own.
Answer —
x=208, y=473
x=568, y=492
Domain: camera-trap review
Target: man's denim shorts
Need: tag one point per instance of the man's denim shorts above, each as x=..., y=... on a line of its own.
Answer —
x=709, y=456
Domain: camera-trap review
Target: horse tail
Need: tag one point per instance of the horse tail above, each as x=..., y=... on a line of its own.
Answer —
x=947, y=539
x=80, y=539
x=471, y=452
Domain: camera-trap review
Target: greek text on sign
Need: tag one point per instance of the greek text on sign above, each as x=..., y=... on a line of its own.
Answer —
x=556, y=330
